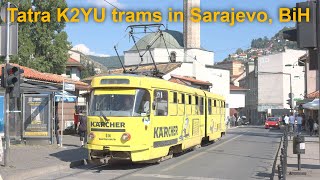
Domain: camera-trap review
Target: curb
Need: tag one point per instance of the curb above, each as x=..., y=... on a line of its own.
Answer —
x=45, y=170
x=276, y=160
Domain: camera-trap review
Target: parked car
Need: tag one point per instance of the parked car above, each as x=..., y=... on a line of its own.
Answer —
x=272, y=122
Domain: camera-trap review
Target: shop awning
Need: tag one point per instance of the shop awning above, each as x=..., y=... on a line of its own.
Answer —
x=314, y=105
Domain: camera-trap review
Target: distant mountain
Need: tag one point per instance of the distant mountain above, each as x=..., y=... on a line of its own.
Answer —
x=111, y=62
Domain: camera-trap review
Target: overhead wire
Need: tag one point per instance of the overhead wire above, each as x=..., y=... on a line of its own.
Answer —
x=193, y=58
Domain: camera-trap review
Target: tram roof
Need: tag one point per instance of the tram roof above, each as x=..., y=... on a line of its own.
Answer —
x=139, y=81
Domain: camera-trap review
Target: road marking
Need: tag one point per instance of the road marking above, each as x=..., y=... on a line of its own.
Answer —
x=175, y=177
x=199, y=154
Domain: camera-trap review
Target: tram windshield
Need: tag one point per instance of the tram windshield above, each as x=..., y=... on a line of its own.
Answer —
x=120, y=104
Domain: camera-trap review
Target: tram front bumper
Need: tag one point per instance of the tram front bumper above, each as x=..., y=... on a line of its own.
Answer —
x=117, y=147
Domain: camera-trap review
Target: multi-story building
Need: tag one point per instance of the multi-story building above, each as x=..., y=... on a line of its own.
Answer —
x=269, y=84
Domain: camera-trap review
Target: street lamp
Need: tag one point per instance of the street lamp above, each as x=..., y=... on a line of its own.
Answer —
x=305, y=74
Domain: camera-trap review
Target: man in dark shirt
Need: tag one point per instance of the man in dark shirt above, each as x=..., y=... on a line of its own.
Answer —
x=82, y=128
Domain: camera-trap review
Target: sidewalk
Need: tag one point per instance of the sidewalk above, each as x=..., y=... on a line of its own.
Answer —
x=27, y=161
x=309, y=161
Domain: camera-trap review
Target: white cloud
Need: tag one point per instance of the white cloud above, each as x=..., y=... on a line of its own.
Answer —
x=102, y=3
x=85, y=50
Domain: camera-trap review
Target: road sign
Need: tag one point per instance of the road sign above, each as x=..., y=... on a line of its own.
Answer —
x=69, y=87
x=4, y=11
x=13, y=40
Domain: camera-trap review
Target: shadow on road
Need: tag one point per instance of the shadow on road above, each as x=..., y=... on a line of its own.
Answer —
x=275, y=134
x=263, y=175
x=305, y=166
x=71, y=154
x=238, y=155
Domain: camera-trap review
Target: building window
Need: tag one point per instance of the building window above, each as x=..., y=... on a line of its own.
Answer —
x=68, y=72
x=173, y=56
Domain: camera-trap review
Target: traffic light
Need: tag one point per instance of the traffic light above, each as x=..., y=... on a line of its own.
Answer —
x=290, y=101
x=306, y=32
x=290, y=34
x=10, y=79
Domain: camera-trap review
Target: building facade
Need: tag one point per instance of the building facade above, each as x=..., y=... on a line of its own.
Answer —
x=268, y=81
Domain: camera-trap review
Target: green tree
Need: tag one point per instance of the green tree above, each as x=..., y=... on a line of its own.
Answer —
x=239, y=51
x=47, y=43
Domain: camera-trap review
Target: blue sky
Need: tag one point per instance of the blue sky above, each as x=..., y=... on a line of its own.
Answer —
x=99, y=38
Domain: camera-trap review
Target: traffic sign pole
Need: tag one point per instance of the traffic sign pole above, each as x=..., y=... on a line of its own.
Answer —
x=318, y=55
x=7, y=99
x=8, y=35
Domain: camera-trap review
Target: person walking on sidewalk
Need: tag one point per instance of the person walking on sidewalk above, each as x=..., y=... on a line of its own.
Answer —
x=286, y=121
x=299, y=123
x=56, y=125
x=291, y=122
x=82, y=128
x=310, y=123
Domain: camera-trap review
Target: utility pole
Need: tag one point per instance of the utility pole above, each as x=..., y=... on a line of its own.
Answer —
x=318, y=55
x=7, y=98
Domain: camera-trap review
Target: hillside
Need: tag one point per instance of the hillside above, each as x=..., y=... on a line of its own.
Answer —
x=110, y=62
x=263, y=46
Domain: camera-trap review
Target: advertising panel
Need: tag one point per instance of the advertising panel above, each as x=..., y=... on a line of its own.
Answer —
x=36, y=116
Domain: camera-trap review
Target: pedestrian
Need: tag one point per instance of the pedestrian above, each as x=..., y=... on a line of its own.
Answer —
x=82, y=128
x=299, y=123
x=310, y=123
x=291, y=122
x=56, y=123
x=316, y=128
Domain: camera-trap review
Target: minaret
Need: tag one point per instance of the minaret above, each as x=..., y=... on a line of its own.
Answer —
x=191, y=30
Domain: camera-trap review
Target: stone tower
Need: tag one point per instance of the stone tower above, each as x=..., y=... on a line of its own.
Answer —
x=191, y=30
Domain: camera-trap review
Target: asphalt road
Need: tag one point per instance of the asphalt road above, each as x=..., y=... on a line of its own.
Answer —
x=244, y=153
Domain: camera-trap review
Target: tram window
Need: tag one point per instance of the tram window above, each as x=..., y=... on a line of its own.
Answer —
x=175, y=97
x=182, y=99
x=201, y=106
x=209, y=107
x=190, y=100
x=161, y=102
x=197, y=99
x=214, y=103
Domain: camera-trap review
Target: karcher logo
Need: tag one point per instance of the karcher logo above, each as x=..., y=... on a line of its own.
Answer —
x=160, y=132
x=108, y=124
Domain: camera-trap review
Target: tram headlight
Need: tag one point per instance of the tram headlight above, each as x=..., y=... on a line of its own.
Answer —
x=126, y=137
x=91, y=135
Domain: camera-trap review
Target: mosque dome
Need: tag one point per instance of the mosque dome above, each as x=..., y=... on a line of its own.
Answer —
x=173, y=40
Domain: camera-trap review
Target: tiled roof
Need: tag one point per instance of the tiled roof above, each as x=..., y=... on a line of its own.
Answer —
x=313, y=95
x=48, y=77
x=164, y=68
x=73, y=62
x=192, y=80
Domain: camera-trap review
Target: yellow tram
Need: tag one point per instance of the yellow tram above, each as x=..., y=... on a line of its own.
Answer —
x=145, y=119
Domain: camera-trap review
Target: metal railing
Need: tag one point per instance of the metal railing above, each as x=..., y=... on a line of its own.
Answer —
x=282, y=167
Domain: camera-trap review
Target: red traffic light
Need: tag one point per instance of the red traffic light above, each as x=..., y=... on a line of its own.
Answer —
x=12, y=70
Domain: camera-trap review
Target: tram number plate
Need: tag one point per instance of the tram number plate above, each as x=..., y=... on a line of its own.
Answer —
x=108, y=135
